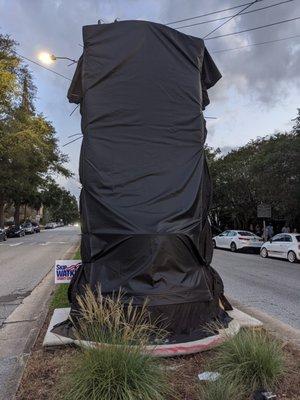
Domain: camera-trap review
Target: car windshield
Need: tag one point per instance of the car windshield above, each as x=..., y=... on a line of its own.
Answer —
x=245, y=233
x=298, y=238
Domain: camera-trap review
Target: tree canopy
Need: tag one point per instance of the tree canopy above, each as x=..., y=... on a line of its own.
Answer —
x=29, y=151
x=264, y=171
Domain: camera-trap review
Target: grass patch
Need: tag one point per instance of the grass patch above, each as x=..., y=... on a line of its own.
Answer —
x=250, y=360
x=60, y=296
x=77, y=255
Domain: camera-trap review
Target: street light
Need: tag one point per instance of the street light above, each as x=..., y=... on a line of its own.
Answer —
x=48, y=58
x=45, y=58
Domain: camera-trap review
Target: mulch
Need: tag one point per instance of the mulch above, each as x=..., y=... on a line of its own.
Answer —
x=45, y=367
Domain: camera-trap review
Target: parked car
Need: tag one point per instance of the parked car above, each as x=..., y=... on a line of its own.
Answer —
x=36, y=227
x=15, y=231
x=237, y=239
x=283, y=245
x=50, y=225
x=3, y=235
x=28, y=228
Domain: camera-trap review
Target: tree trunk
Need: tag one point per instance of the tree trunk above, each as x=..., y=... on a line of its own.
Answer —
x=17, y=214
x=2, y=204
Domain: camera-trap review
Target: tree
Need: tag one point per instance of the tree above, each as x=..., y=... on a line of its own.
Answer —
x=8, y=92
x=9, y=64
x=59, y=203
x=28, y=147
x=265, y=170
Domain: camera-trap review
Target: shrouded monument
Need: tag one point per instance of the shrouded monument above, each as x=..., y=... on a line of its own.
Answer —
x=146, y=190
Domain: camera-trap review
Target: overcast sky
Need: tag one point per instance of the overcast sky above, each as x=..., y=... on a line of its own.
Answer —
x=259, y=91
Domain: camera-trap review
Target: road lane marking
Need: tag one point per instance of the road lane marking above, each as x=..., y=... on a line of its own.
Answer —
x=16, y=244
x=46, y=243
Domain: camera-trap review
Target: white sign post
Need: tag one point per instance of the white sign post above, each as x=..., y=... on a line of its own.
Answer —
x=65, y=270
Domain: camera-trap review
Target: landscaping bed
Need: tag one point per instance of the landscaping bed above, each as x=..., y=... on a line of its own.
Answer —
x=46, y=367
x=251, y=355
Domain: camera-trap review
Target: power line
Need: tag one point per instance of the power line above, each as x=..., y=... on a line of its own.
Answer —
x=253, y=29
x=255, y=44
x=43, y=66
x=71, y=141
x=242, y=13
x=225, y=22
x=210, y=13
x=214, y=51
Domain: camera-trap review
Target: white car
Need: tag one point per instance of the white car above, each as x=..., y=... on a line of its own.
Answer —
x=283, y=245
x=50, y=225
x=237, y=239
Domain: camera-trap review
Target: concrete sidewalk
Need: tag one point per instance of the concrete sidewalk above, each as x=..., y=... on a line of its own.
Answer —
x=20, y=331
x=282, y=331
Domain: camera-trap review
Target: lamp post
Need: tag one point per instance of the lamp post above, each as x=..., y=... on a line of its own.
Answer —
x=54, y=58
x=47, y=58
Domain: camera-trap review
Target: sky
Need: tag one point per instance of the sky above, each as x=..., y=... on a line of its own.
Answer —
x=257, y=95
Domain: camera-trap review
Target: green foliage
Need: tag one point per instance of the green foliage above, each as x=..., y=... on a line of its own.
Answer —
x=119, y=373
x=220, y=390
x=9, y=63
x=60, y=297
x=117, y=365
x=109, y=320
x=266, y=170
x=59, y=203
x=77, y=255
x=251, y=359
x=29, y=150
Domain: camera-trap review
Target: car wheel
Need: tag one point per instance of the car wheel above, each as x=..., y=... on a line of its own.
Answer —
x=233, y=247
x=291, y=256
x=264, y=252
x=5, y=238
x=214, y=244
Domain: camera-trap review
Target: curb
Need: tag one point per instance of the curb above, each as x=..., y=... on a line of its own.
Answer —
x=21, y=329
x=279, y=329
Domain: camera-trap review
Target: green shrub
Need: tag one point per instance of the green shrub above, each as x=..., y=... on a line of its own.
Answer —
x=116, y=366
x=114, y=372
x=220, y=390
x=251, y=359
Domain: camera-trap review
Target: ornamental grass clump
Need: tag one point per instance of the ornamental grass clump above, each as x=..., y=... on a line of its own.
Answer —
x=220, y=390
x=109, y=320
x=115, y=372
x=116, y=365
x=251, y=359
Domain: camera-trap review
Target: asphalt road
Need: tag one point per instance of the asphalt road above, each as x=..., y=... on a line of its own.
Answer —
x=25, y=261
x=270, y=285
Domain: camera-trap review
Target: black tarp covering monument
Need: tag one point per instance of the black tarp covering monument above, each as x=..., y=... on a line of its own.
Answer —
x=146, y=188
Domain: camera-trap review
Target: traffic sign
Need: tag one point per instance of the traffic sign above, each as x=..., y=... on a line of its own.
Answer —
x=264, y=211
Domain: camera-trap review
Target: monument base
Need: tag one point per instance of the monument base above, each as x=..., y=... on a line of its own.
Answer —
x=239, y=320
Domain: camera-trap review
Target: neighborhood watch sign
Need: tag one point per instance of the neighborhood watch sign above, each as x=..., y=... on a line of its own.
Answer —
x=65, y=270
